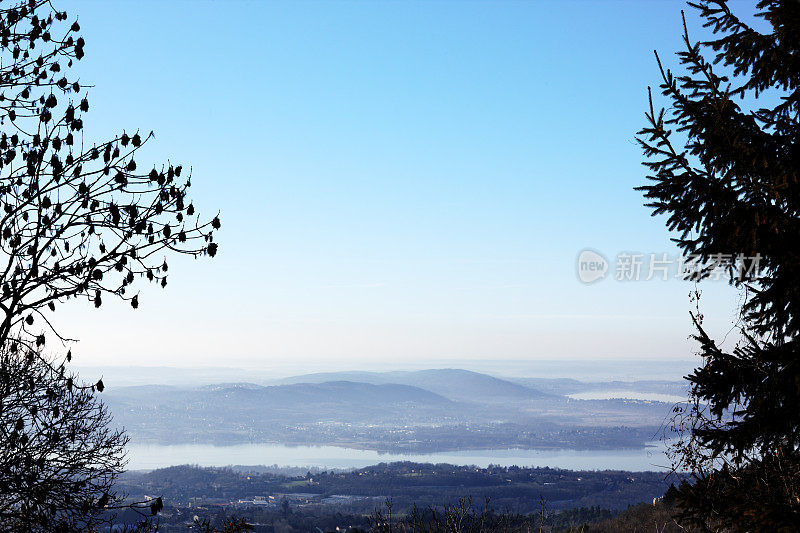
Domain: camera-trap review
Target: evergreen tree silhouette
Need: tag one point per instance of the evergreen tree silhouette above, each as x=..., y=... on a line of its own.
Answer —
x=724, y=167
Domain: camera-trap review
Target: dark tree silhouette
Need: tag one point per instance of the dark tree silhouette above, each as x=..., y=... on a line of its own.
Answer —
x=461, y=517
x=60, y=456
x=230, y=525
x=78, y=220
x=732, y=191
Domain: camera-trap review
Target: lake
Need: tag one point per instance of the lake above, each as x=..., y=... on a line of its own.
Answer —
x=147, y=457
x=627, y=395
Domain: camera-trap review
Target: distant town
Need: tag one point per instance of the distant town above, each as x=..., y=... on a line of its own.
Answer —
x=265, y=496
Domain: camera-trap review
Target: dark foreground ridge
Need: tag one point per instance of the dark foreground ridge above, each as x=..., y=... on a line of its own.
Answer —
x=320, y=498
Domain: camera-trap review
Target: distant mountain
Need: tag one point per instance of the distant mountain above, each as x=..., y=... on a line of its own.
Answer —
x=256, y=406
x=409, y=410
x=349, y=394
x=299, y=395
x=455, y=384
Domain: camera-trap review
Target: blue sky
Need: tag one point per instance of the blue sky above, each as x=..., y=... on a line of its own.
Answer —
x=397, y=181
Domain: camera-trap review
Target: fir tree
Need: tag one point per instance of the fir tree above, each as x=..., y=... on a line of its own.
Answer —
x=724, y=167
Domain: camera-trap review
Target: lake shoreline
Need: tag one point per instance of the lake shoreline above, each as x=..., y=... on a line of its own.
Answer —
x=361, y=446
x=149, y=456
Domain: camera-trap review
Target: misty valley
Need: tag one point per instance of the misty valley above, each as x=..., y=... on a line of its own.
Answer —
x=414, y=412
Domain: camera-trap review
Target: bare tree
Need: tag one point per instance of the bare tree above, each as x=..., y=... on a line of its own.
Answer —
x=60, y=455
x=78, y=220
x=461, y=517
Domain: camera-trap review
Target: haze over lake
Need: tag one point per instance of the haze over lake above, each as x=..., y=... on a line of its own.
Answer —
x=627, y=395
x=147, y=457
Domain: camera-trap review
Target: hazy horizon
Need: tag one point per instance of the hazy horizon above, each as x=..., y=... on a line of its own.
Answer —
x=587, y=370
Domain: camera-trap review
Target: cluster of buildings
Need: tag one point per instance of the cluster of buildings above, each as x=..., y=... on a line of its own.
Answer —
x=302, y=498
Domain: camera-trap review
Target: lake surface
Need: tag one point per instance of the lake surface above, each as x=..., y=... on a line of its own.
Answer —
x=627, y=395
x=147, y=457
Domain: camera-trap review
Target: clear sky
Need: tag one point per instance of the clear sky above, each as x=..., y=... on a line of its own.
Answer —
x=397, y=181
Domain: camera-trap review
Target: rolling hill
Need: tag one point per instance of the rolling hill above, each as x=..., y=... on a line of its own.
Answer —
x=455, y=384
